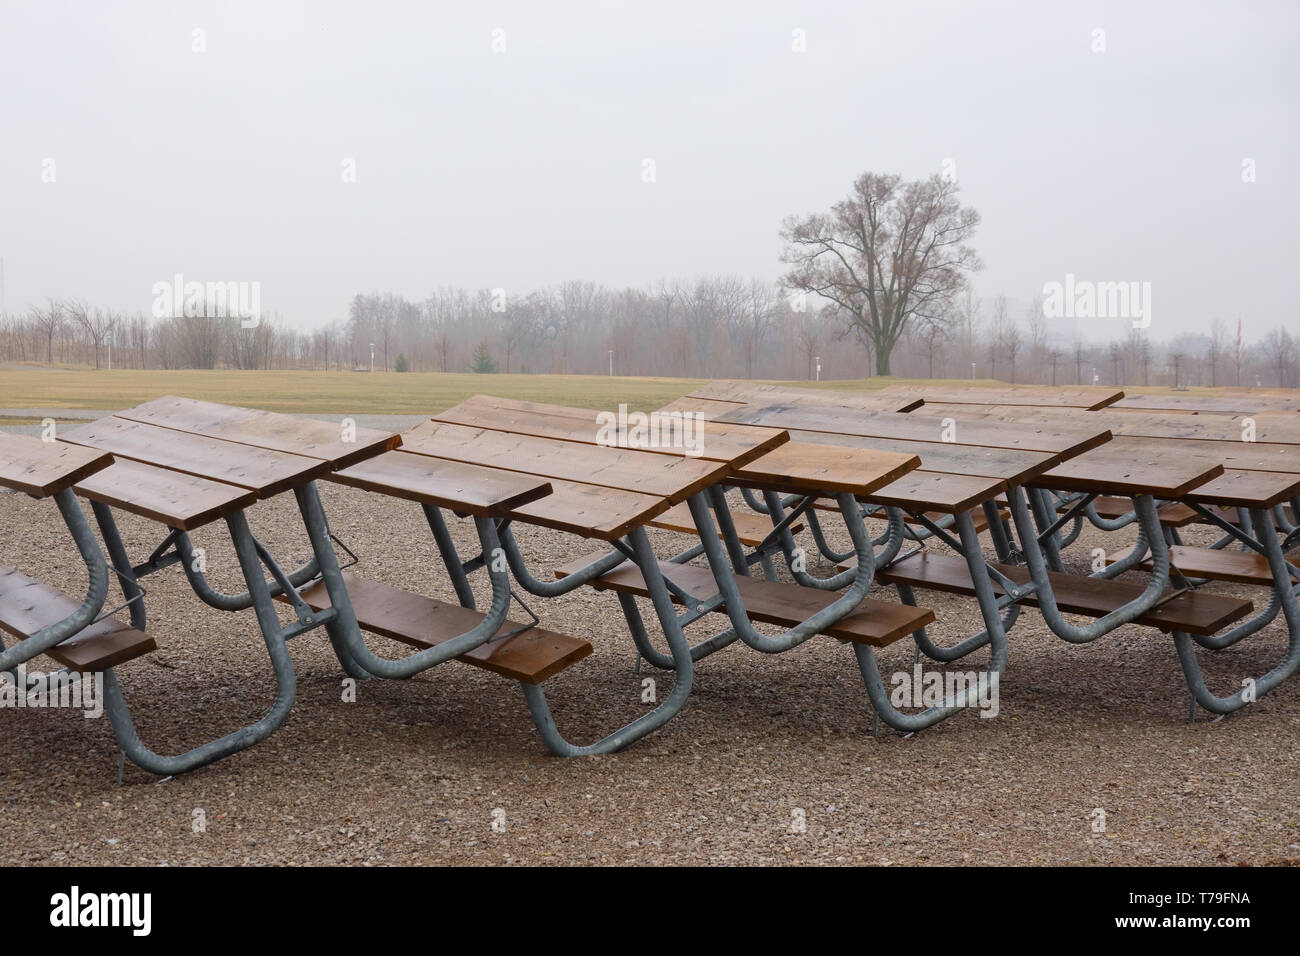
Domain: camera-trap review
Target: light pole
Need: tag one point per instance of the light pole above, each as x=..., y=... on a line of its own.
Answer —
x=611, y=363
x=972, y=369
x=819, y=368
x=372, y=356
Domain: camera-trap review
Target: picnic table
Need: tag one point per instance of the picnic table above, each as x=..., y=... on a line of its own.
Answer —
x=1091, y=463
x=593, y=480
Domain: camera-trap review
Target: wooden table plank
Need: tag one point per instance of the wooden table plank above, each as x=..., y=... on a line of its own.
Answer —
x=710, y=408
x=936, y=491
x=251, y=426
x=1249, y=489
x=755, y=393
x=591, y=511
x=259, y=469
x=171, y=497
x=45, y=468
x=917, y=426
x=470, y=489
x=826, y=468
x=716, y=442
x=670, y=476
x=1128, y=466
x=1235, y=404
x=1083, y=398
x=1005, y=464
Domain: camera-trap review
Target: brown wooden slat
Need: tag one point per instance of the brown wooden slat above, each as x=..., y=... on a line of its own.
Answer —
x=751, y=529
x=531, y=657
x=1005, y=464
x=1051, y=397
x=591, y=510
x=1236, y=404
x=171, y=497
x=717, y=442
x=1127, y=466
x=668, y=476
x=28, y=606
x=755, y=393
x=1236, y=567
x=45, y=468
x=878, y=623
x=708, y=407
x=1178, y=515
x=252, y=426
x=261, y=470
x=826, y=468
x=469, y=489
x=1269, y=427
x=1196, y=612
x=1249, y=489
x=937, y=491
x=920, y=427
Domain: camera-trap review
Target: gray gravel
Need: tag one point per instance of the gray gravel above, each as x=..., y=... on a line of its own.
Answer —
x=413, y=771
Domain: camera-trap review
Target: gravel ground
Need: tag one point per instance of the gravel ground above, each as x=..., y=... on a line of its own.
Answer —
x=414, y=772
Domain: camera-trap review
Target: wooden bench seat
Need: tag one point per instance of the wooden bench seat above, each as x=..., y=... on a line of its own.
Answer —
x=878, y=623
x=1236, y=567
x=43, y=468
x=1178, y=515
x=28, y=606
x=1194, y=612
x=531, y=656
x=750, y=528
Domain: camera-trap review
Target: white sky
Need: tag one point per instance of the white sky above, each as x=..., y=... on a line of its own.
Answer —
x=523, y=168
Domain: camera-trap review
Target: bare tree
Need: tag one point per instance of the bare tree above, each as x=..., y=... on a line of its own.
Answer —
x=887, y=253
x=96, y=323
x=48, y=320
x=1214, y=352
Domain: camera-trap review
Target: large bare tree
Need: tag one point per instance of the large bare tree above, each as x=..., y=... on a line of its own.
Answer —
x=889, y=252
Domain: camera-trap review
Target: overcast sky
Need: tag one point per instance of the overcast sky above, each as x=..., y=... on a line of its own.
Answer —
x=522, y=168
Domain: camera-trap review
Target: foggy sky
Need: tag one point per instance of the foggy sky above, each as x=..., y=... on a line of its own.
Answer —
x=524, y=168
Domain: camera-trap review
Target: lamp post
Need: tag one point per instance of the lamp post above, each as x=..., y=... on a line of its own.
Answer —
x=819, y=368
x=611, y=363
x=372, y=356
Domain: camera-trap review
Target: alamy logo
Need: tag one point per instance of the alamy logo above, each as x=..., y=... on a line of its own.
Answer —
x=74, y=909
x=210, y=300
x=1082, y=299
x=919, y=689
x=683, y=431
x=24, y=689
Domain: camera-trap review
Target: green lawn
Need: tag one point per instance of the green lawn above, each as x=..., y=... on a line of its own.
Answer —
x=358, y=392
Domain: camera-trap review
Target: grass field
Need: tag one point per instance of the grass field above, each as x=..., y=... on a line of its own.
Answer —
x=358, y=392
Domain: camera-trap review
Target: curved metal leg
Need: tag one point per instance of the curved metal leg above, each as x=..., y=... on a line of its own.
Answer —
x=682, y=664
x=1283, y=587
x=968, y=697
x=115, y=702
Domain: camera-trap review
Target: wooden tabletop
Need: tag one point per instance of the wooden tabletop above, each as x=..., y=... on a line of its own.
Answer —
x=43, y=468
x=469, y=489
x=752, y=392
x=921, y=427
x=716, y=442
x=261, y=470
x=173, y=498
x=1130, y=466
x=307, y=437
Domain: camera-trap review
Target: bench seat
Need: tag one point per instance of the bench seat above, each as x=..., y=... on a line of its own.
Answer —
x=878, y=623
x=531, y=656
x=1194, y=612
x=28, y=606
x=1236, y=567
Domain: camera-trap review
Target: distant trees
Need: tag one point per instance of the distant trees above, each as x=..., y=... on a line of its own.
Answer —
x=720, y=325
x=890, y=252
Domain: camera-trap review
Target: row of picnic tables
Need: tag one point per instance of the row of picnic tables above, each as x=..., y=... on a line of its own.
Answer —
x=919, y=466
